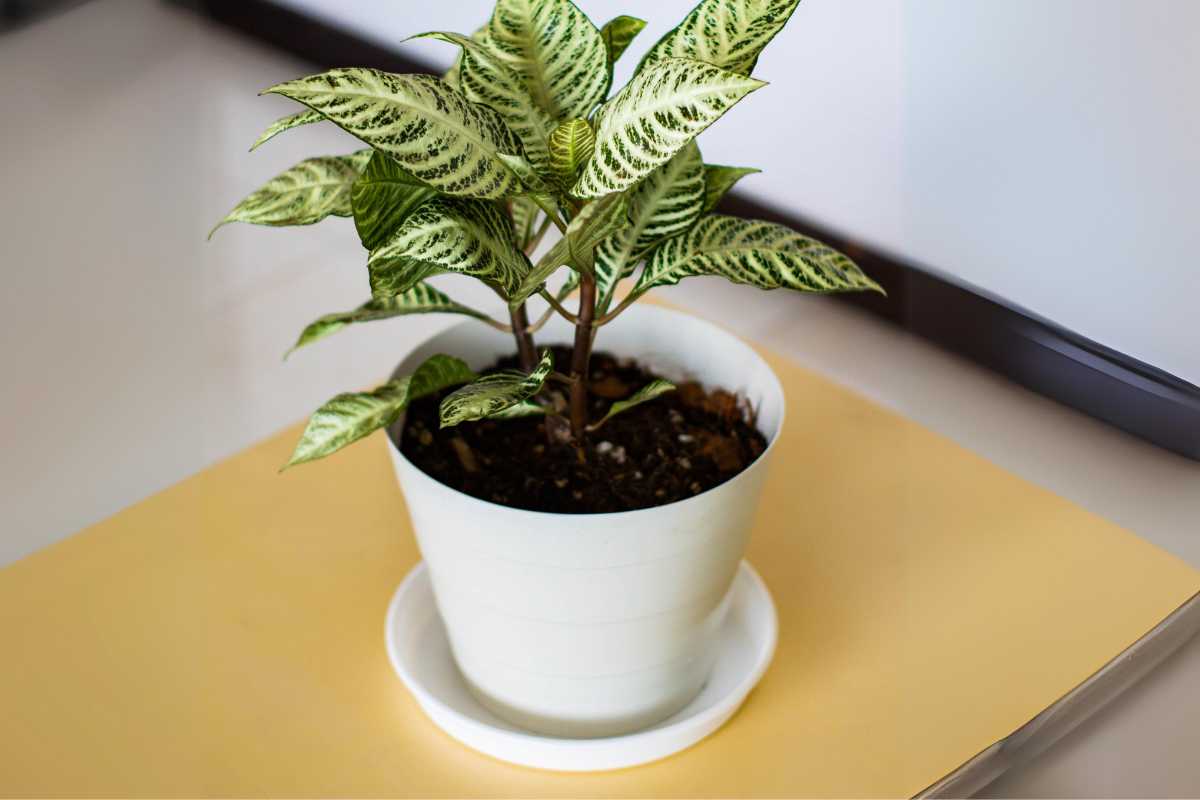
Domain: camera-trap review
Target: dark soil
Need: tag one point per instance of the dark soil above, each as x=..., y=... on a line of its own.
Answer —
x=675, y=446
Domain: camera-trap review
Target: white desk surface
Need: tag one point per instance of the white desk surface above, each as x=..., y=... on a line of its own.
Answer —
x=137, y=354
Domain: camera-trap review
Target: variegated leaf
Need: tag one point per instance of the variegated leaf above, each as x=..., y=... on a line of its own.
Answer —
x=531, y=181
x=472, y=237
x=757, y=253
x=524, y=214
x=655, y=388
x=669, y=200
x=594, y=222
x=667, y=203
x=484, y=78
x=495, y=393
x=349, y=417
x=383, y=197
x=305, y=117
x=394, y=275
x=556, y=49
x=421, y=299
x=617, y=33
x=725, y=33
x=568, y=286
x=571, y=145
x=654, y=117
x=307, y=193
x=526, y=408
x=450, y=76
x=718, y=180
x=431, y=129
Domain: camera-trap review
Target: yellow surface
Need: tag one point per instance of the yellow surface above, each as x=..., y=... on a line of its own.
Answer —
x=225, y=637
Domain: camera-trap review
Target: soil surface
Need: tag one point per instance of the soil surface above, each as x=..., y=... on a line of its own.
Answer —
x=670, y=448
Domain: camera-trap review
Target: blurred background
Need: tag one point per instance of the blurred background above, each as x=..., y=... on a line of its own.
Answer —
x=1022, y=174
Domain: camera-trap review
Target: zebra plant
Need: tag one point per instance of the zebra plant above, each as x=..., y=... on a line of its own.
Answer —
x=467, y=173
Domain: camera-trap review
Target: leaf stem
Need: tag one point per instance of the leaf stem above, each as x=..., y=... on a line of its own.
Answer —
x=547, y=206
x=494, y=323
x=520, y=330
x=557, y=306
x=629, y=300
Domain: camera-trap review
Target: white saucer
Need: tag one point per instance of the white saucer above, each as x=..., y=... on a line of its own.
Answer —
x=420, y=654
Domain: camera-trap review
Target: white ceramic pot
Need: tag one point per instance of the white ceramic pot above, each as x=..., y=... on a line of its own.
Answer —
x=586, y=625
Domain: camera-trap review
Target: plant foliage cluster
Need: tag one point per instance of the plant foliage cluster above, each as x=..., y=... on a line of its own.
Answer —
x=467, y=173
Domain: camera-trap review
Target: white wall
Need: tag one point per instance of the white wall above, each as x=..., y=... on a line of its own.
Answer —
x=1050, y=155
x=1043, y=150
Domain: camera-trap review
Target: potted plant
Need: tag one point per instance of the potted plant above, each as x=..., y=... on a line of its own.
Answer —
x=582, y=512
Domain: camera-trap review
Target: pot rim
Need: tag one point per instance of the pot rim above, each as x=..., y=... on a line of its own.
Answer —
x=491, y=507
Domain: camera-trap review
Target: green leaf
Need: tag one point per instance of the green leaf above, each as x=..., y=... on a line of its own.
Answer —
x=495, y=393
x=594, y=222
x=726, y=33
x=446, y=234
x=718, y=180
x=383, y=197
x=526, y=408
x=484, y=78
x=760, y=254
x=568, y=286
x=667, y=203
x=531, y=181
x=421, y=299
x=431, y=129
x=571, y=145
x=647, y=393
x=618, y=33
x=555, y=49
x=450, y=76
x=393, y=275
x=349, y=417
x=306, y=193
x=654, y=117
x=305, y=117
x=524, y=213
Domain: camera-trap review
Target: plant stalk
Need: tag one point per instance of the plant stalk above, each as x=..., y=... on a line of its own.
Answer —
x=581, y=356
x=629, y=300
x=520, y=329
x=557, y=306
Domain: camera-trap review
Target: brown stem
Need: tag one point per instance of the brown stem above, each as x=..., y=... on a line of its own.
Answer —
x=581, y=355
x=520, y=328
x=628, y=300
x=557, y=306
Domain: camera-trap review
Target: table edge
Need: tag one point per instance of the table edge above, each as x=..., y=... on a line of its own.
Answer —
x=1123, y=671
